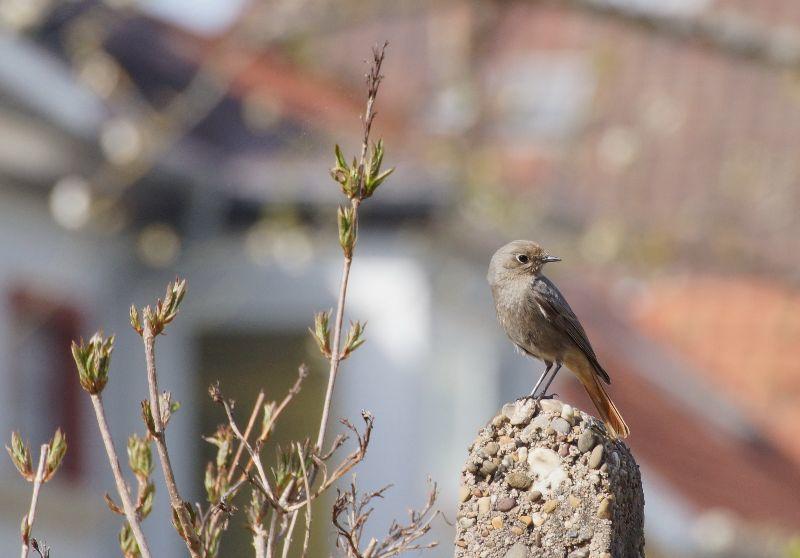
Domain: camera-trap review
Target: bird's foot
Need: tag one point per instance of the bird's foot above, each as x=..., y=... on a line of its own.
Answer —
x=535, y=398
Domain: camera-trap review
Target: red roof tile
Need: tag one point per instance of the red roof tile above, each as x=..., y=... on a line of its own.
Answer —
x=710, y=466
x=744, y=335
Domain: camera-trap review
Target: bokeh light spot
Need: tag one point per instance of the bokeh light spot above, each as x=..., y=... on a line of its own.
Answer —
x=70, y=202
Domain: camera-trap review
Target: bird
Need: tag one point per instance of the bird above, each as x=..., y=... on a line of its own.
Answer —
x=539, y=321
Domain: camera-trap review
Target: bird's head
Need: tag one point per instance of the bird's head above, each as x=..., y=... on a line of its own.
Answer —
x=518, y=258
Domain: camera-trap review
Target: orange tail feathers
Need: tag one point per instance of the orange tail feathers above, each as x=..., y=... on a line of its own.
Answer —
x=615, y=424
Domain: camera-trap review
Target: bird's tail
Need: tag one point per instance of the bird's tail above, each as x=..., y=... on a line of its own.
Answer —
x=615, y=424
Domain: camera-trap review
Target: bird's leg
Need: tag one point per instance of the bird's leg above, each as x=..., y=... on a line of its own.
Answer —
x=548, y=366
x=544, y=395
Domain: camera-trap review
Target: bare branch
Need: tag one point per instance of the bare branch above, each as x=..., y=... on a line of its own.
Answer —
x=307, y=487
x=259, y=543
x=353, y=459
x=302, y=374
x=178, y=506
x=247, y=431
x=351, y=512
x=287, y=539
x=210, y=520
x=272, y=535
x=27, y=521
x=263, y=483
x=41, y=548
x=122, y=485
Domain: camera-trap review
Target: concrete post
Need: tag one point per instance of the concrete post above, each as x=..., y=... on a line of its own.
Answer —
x=546, y=481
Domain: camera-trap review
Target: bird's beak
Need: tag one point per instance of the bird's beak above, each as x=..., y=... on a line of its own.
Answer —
x=548, y=259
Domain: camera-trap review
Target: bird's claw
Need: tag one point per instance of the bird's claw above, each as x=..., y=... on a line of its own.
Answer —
x=536, y=398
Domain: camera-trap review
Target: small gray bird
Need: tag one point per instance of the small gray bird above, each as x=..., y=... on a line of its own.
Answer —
x=538, y=320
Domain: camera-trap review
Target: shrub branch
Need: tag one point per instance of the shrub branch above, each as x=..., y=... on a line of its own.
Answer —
x=27, y=521
x=356, y=195
x=178, y=506
x=122, y=485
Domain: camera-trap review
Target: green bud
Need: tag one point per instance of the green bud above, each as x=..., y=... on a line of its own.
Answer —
x=375, y=160
x=321, y=333
x=165, y=311
x=223, y=440
x=127, y=542
x=210, y=484
x=58, y=448
x=176, y=523
x=347, y=229
x=354, y=338
x=172, y=300
x=93, y=361
x=135, y=323
x=346, y=175
x=373, y=175
x=288, y=466
x=140, y=456
x=144, y=504
x=340, y=160
x=20, y=453
x=147, y=417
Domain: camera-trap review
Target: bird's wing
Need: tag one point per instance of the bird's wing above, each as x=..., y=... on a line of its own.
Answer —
x=556, y=308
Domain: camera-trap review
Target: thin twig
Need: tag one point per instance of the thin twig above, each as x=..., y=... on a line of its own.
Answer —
x=212, y=515
x=302, y=374
x=400, y=539
x=254, y=457
x=41, y=548
x=122, y=485
x=247, y=431
x=37, y=485
x=189, y=535
x=271, y=535
x=335, y=359
x=373, y=82
x=307, y=486
x=259, y=542
x=213, y=511
x=211, y=518
x=287, y=539
x=345, y=466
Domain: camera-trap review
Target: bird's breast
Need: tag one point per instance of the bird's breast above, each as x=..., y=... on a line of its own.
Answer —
x=526, y=323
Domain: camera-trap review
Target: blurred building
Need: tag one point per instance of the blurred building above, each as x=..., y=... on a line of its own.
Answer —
x=650, y=144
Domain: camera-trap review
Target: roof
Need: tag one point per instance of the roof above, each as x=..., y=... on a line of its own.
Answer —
x=743, y=333
x=264, y=135
x=682, y=425
x=665, y=148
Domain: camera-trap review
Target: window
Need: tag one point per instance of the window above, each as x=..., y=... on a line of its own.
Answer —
x=244, y=362
x=42, y=377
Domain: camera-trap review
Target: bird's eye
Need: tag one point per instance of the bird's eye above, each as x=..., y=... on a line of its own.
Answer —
x=522, y=258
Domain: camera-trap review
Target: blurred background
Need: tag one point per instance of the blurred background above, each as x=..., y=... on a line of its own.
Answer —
x=652, y=144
